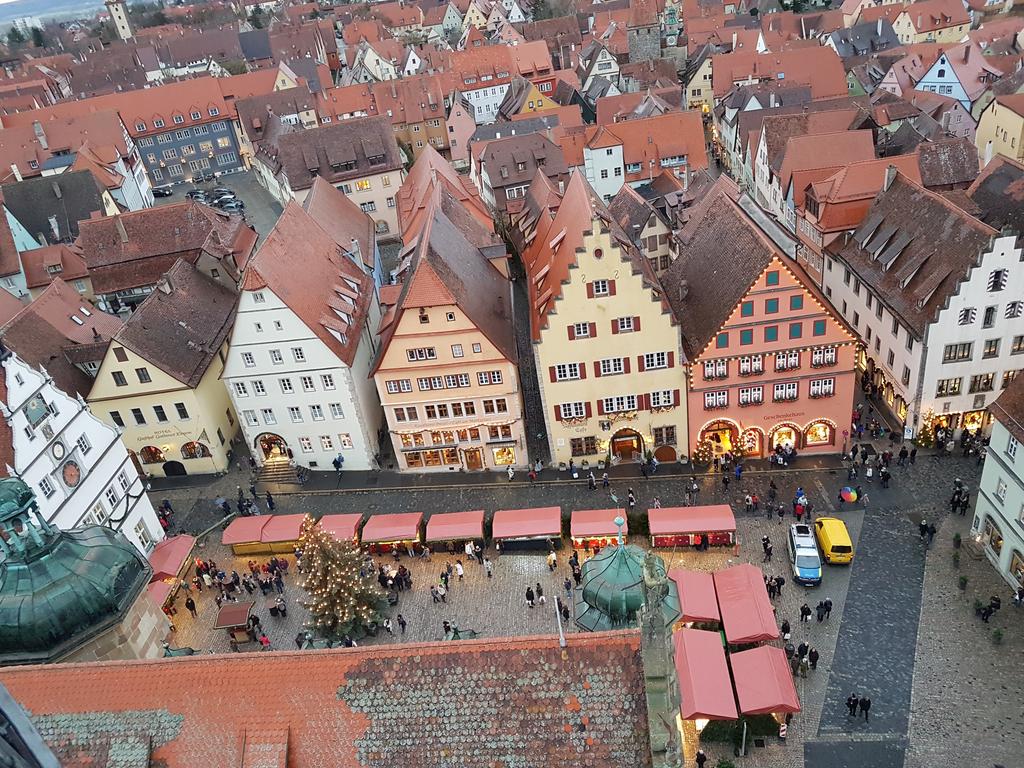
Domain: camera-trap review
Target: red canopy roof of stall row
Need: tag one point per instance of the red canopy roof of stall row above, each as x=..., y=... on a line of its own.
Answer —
x=170, y=555
x=597, y=522
x=704, y=682
x=404, y=526
x=341, y=526
x=697, y=598
x=764, y=683
x=670, y=520
x=527, y=523
x=449, y=526
x=275, y=529
x=747, y=615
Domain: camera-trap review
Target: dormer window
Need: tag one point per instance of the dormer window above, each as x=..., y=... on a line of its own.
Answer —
x=214, y=111
x=196, y=115
x=158, y=123
x=179, y=119
x=140, y=126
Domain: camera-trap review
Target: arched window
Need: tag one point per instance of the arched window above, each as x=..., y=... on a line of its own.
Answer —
x=195, y=450
x=152, y=455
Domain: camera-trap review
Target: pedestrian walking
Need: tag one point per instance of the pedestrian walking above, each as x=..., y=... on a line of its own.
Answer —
x=765, y=541
x=401, y=623
x=827, y=605
x=804, y=666
x=577, y=575
x=851, y=704
x=748, y=504
x=433, y=594
x=739, y=471
x=865, y=706
x=805, y=612
x=657, y=503
x=459, y=570
x=604, y=481
x=794, y=664
x=913, y=454
x=511, y=473
x=265, y=642
x=442, y=592
x=271, y=505
x=965, y=501
x=488, y=567
x=700, y=758
x=591, y=482
x=803, y=648
x=781, y=512
x=388, y=626
x=630, y=500
x=567, y=586
x=540, y=594
x=530, y=596
x=779, y=582
x=785, y=629
x=768, y=554
x=191, y=605
x=812, y=657
x=725, y=482
x=820, y=611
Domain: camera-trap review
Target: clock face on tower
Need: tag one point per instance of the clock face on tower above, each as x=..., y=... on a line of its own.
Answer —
x=58, y=451
x=72, y=474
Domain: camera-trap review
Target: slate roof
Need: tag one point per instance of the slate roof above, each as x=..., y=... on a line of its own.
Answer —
x=629, y=208
x=181, y=326
x=533, y=150
x=302, y=263
x=255, y=44
x=342, y=219
x=865, y=38
x=948, y=162
x=999, y=193
x=1008, y=409
x=520, y=702
x=68, y=197
x=925, y=246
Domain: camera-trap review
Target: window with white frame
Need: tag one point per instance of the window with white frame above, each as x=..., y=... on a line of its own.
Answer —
x=457, y=350
x=295, y=414
x=751, y=364
x=601, y=288
x=823, y=356
x=572, y=410
x=620, y=404
x=624, y=324
x=664, y=398
x=307, y=383
x=46, y=487
x=1001, y=489
x=258, y=388
x=785, y=391
x=241, y=390
x=611, y=366
x=399, y=385
x=785, y=361
x=122, y=480
x=326, y=443
x=276, y=357
x=823, y=387
x=719, y=399
x=144, y=536
x=298, y=354
x=286, y=386
x=1011, y=447
x=251, y=419
x=345, y=441
x=305, y=445
x=327, y=379
x=567, y=371
x=489, y=377
x=83, y=444
x=653, y=360
x=581, y=330
x=421, y=353
x=316, y=412
x=248, y=360
x=751, y=395
x=268, y=416
x=111, y=496
x=716, y=369
x=337, y=412
x=97, y=515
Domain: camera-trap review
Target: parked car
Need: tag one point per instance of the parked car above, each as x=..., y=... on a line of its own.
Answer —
x=233, y=205
x=217, y=191
x=194, y=193
x=803, y=555
x=162, y=192
x=201, y=178
x=834, y=539
x=223, y=196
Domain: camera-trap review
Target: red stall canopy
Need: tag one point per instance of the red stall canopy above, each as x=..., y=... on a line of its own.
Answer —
x=747, y=615
x=596, y=522
x=170, y=555
x=697, y=598
x=341, y=526
x=669, y=520
x=703, y=676
x=764, y=683
x=244, y=530
x=159, y=591
x=450, y=526
x=401, y=527
x=527, y=523
x=282, y=528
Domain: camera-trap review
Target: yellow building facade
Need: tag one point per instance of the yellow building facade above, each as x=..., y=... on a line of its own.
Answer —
x=1001, y=129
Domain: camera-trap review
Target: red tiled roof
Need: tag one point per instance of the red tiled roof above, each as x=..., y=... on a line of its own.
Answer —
x=391, y=705
x=820, y=68
x=930, y=15
x=39, y=264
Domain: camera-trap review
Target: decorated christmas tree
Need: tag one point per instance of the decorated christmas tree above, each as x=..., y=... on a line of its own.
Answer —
x=926, y=434
x=704, y=453
x=341, y=599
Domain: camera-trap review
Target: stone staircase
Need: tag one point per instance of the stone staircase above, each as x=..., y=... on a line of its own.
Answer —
x=278, y=471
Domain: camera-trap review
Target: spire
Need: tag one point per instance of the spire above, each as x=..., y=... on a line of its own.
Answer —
x=619, y=523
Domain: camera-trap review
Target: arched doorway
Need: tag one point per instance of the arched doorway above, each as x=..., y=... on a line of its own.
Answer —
x=271, y=446
x=152, y=455
x=783, y=435
x=665, y=453
x=174, y=469
x=724, y=436
x=627, y=445
x=820, y=432
x=752, y=441
x=992, y=538
x=195, y=450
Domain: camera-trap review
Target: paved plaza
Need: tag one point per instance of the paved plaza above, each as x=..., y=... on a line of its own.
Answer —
x=901, y=631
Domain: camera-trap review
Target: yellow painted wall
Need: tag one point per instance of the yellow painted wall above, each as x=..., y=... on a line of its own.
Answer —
x=208, y=406
x=1000, y=132
x=657, y=334
x=701, y=81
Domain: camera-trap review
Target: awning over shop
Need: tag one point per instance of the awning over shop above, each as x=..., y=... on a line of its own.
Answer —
x=168, y=557
x=282, y=528
x=453, y=526
x=697, y=598
x=244, y=530
x=538, y=522
x=587, y=523
x=669, y=520
x=159, y=591
x=747, y=615
x=401, y=527
x=341, y=526
x=704, y=683
x=764, y=682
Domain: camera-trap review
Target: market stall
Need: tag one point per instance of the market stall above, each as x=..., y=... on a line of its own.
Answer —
x=244, y=535
x=170, y=556
x=747, y=615
x=703, y=676
x=454, y=529
x=595, y=528
x=698, y=603
x=234, y=617
x=382, y=532
x=688, y=526
x=160, y=592
x=281, y=533
x=342, y=526
x=521, y=529
x=764, y=682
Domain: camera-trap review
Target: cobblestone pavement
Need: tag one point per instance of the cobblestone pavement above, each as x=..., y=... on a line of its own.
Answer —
x=870, y=642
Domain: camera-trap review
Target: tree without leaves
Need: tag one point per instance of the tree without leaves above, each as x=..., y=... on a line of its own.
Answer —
x=340, y=599
x=38, y=38
x=15, y=37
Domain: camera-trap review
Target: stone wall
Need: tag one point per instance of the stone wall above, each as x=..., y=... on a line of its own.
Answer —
x=140, y=635
x=644, y=43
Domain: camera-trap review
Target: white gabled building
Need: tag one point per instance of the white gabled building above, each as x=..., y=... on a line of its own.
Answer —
x=77, y=465
x=299, y=360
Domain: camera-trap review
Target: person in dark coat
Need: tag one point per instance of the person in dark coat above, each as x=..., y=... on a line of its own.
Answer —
x=813, y=656
x=851, y=704
x=802, y=649
x=270, y=502
x=191, y=605
x=865, y=705
x=530, y=596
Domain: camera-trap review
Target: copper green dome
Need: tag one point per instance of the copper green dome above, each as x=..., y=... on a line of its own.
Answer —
x=59, y=589
x=612, y=589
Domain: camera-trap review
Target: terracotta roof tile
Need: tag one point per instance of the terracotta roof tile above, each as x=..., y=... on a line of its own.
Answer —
x=43, y=265
x=931, y=15
x=999, y=193
x=820, y=68
x=521, y=702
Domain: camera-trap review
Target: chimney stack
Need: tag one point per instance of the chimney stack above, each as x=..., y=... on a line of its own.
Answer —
x=878, y=27
x=121, y=231
x=15, y=171
x=684, y=289
x=890, y=176
x=37, y=127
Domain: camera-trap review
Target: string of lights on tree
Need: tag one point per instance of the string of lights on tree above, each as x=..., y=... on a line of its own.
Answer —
x=341, y=597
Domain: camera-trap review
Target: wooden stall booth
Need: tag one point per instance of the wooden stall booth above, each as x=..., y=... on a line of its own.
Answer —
x=234, y=618
x=451, y=530
x=595, y=529
x=698, y=602
x=342, y=526
x=281, y=533
x=383, y=532
x=748, y=616
x=688, y=526
x=527, y=529
x=244, y=535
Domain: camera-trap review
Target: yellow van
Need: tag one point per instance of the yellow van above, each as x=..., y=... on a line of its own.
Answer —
x=834, y=540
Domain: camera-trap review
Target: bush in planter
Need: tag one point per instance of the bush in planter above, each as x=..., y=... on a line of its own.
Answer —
x=978, y=605
x=956, y=540
x=724, y=762
x=997, y=636
x=956, y=559
x=962, y=583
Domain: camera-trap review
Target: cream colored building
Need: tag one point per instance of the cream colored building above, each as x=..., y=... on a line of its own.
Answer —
x=932, y=21
x=606, y=344
x=159, y=381
x=1001, y=129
